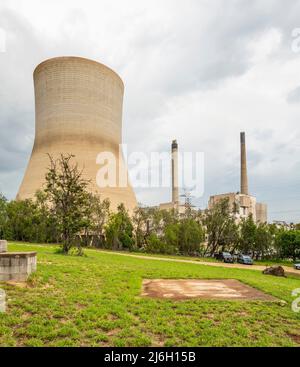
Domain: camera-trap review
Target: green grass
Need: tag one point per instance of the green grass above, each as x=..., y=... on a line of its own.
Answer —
x=213, y=260
x=275, y=262
x=95, y=301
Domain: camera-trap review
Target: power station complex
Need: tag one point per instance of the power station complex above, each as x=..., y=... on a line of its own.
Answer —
x=78, y=111
x=242, y=204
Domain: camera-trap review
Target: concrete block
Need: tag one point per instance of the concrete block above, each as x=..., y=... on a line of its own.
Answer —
x=3, y=246
x=17, y=266
x=2, y=301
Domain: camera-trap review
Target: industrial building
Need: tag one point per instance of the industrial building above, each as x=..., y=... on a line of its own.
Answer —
x=78, y=111
x=242, y=204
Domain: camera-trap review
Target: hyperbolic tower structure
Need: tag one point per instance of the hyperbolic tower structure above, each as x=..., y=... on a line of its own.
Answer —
x=78, y=111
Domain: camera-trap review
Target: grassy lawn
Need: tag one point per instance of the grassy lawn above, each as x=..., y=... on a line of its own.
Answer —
x=95, y=301
x=211, y=259
x=275, y=262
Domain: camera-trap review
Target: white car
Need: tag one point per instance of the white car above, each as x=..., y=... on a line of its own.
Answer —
x=297, y=266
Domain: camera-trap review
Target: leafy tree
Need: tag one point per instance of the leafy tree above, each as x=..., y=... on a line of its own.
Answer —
x=264, y=240
x=28, y=220
x=22, y=221
x=3, y=215
x=119, y=230
x=218, y=222
x=247, y=235
x=290, y=244
x=169, y=217
x=155, y=245
x=141, y=222
x=47, y=226
x=171, y=237
x=191, y=234
x=229, y=241
x=98, y=214
x=66, y=193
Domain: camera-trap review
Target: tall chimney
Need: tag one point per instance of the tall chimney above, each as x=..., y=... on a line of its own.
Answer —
x=175, y=189
x=244, y=176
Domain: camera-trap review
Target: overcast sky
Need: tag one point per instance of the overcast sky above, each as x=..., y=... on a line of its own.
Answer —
x=200, y=71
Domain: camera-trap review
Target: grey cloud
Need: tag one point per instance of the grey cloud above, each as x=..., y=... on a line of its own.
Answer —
x=294, y=96
x=177, y=50
x=187, y=60
x=16, y=100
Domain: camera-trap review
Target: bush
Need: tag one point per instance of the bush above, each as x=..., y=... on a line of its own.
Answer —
x=155, y=245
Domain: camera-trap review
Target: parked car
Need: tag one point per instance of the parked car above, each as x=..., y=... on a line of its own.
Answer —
x=224, y=256
x=245, y=259
x=297, y=266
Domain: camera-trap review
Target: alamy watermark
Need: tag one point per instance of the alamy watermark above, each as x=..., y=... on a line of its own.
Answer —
x=2, y=40
x=2, y=300
x=152, y=170
x=296, y=40
x=296, y=302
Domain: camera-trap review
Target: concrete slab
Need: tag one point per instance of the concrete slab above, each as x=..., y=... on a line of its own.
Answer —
x=181, y=289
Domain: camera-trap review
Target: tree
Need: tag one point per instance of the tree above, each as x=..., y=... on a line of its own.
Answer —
x=264, y=240
x=154, y=245
x=191, y=234
x=3, y=215
x=22, y=221
x=289, y=244
x=47, y=226
x=98, y=214
x=229, y=240
x=247, y=235
x=170, y=238
x=28, y=220
x=218, y=222
x=66, y=193
x=119, y=230
x=141, y=222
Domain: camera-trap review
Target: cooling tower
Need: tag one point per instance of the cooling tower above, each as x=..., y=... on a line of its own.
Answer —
x=78, y=110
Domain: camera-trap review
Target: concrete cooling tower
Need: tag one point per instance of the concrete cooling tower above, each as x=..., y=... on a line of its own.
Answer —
x=78, y=110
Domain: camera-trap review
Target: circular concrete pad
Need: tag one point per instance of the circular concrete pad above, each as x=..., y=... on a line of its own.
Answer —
x=180, y=289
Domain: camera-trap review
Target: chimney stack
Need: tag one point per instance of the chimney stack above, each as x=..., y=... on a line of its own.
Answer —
x=244, y=176
x=175, y=189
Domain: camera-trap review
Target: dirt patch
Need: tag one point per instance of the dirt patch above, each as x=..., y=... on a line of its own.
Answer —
x=181, y=289
x=113, y=332
x=14, y=283
x=157, y=341
x=295, y=338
